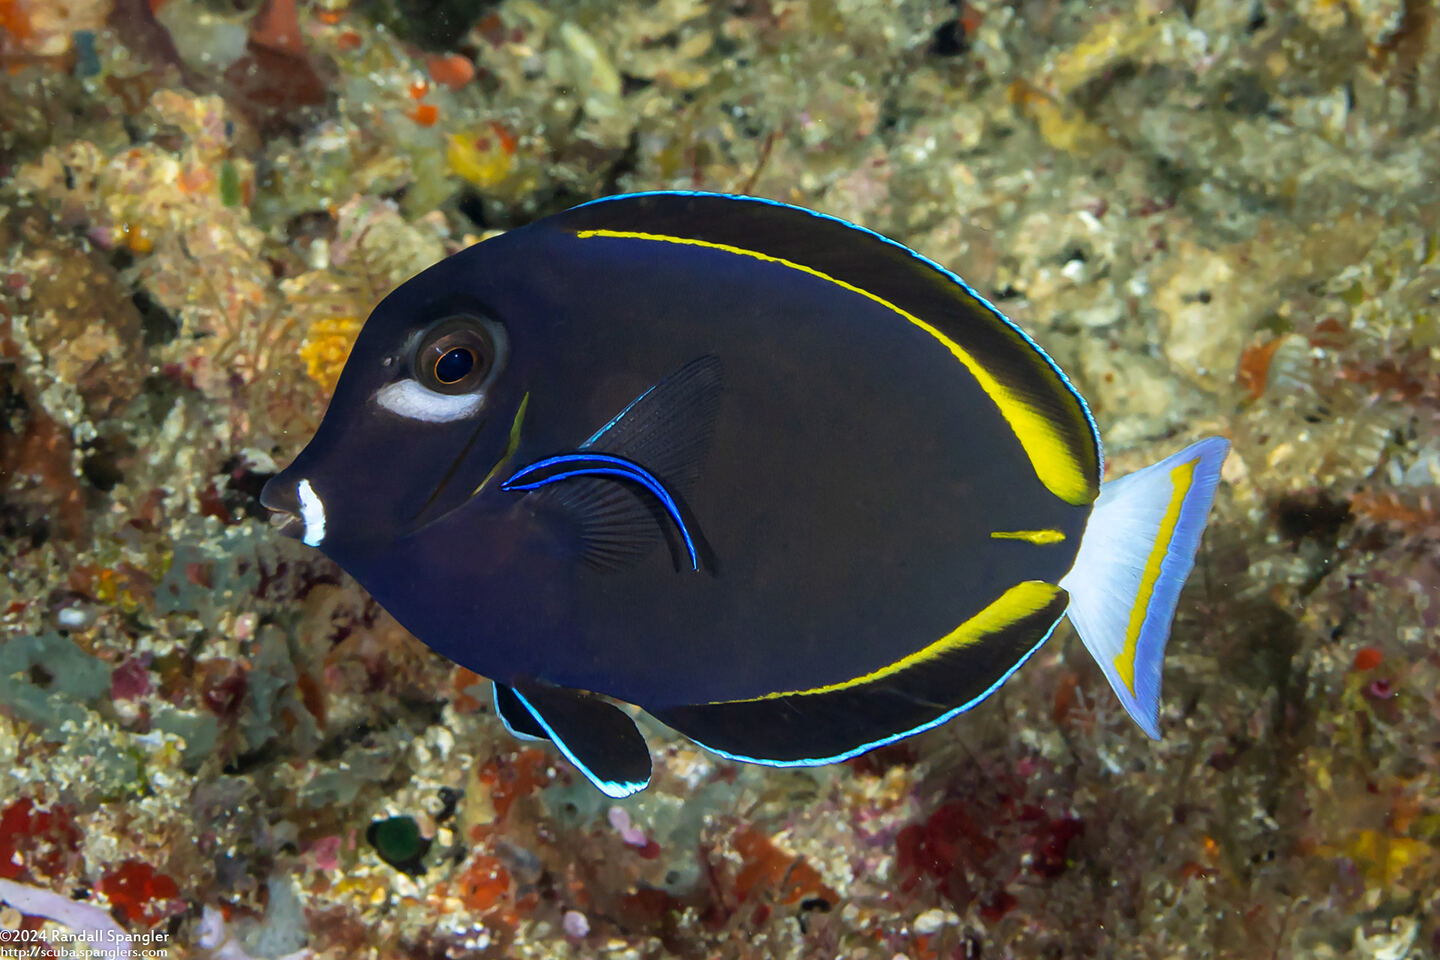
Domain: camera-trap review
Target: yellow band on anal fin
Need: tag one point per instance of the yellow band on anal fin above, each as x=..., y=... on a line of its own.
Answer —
x=1055, y=464
x=1041, y=537
x=1017, y=603
x=1181, y=477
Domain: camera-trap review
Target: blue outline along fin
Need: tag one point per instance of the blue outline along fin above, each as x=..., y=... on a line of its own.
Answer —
x=596, y=736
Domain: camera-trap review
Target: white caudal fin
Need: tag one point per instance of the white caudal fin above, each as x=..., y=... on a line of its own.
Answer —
x=1138, y=548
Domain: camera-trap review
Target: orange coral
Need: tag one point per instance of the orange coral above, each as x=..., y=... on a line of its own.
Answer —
x=462, y=680
x=454, y=71
x=484, y=883
x=1366, y=658
x=326, y=347
x=14, y=21
x=140, y=893
x=514, y=777
x=277, y=26
x=1255, y=367
x=275, y=80
x=41, y=32
x=768, y=868
x=1415, y=516
x=41, y=841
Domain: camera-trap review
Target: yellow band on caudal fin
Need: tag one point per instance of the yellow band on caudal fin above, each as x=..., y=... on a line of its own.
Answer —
x=1181, y=478
x=1014, y=605
x=1056, y=466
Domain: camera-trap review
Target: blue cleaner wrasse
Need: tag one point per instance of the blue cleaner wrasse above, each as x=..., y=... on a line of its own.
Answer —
x=786, y=485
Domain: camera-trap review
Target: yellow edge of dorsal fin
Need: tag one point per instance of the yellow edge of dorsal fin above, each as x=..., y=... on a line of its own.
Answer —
x=1055, y=465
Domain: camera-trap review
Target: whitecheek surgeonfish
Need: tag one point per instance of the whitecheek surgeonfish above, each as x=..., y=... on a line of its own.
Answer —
x=786, y=485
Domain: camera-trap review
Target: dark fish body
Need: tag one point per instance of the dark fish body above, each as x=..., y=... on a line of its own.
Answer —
x=779, y=481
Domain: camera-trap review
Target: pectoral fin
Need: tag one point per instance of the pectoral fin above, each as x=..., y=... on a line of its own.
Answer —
x=596, y=736
x=626, y=485
x=612, y=526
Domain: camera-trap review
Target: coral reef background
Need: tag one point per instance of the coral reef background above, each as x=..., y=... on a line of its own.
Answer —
x=1220, y=216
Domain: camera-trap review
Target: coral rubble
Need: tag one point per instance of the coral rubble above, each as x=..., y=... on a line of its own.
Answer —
x=1219, y=216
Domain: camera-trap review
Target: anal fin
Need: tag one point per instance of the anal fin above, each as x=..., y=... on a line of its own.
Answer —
x=843, y=720
x=596, y=736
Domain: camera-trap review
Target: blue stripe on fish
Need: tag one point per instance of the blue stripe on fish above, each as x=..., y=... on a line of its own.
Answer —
x=572, y=465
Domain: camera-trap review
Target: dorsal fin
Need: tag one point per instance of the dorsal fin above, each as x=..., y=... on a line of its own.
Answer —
x=1046, y=413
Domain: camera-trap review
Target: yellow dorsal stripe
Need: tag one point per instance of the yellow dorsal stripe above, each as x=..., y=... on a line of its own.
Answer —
x=1014, y=605
x=1054, y=463
x=1032, y=536
x=1180, y=479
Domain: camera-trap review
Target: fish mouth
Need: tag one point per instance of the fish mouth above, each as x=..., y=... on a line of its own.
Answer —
x=282, y=499
x=287, y=524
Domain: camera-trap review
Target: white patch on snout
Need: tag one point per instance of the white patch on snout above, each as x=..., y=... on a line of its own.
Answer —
x=410, y=400
x=312, y=514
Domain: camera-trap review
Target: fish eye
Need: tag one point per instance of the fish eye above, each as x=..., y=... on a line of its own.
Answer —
x=454, y=365
x=457, y=355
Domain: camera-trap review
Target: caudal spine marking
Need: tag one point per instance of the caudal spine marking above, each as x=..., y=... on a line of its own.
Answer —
x=1017, y=603
x=1056, y=466
x=1041, y=537
x=1180, y=479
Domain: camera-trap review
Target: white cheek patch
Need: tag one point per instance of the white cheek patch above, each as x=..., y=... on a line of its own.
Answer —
x=312, y=514
x=408, y=399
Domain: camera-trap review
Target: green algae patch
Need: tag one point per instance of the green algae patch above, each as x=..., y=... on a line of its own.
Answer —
x=48, y=680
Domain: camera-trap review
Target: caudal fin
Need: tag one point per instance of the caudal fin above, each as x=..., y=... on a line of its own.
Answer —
x=1138, y=548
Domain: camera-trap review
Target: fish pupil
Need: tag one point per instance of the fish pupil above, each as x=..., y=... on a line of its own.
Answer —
x=454, y=364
